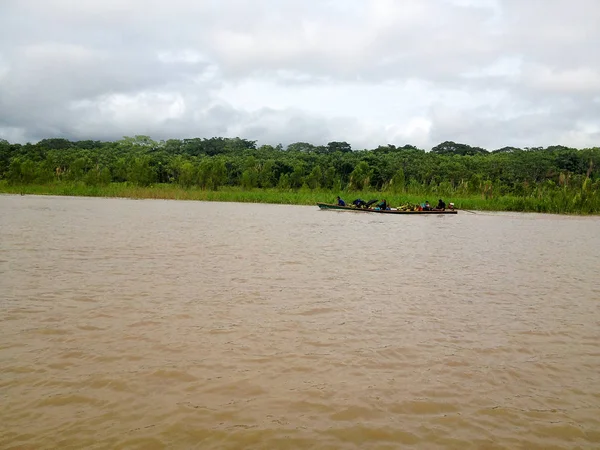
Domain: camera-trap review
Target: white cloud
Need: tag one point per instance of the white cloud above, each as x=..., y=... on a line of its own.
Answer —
x=13, y=134
x=485, y=72
x=563, y=81
x=136, y=109
x=185, y=56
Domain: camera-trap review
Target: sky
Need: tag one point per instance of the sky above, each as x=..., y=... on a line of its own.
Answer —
x=488, y=73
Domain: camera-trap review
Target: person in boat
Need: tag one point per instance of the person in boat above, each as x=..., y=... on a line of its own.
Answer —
x=426, y=206
x=451, y=206
x=340, y=202
x=359, y=203
x=441, y=206
x=383, y=205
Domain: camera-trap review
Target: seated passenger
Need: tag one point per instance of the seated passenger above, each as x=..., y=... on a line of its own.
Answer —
x=383, y=205
x=340, y=202
x=358, y=203
x=441, y=206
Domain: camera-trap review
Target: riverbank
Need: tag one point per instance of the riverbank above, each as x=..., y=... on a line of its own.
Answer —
x=552, y=203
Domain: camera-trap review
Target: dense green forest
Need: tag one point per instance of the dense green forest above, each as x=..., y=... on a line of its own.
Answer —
x=557, y=178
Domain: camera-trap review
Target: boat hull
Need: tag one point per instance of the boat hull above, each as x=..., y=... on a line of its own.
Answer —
x=334, y=207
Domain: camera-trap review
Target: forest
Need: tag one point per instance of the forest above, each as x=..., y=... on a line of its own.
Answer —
x=555, y=179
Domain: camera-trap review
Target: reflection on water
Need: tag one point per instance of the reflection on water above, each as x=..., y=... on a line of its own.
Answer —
x=164, y=324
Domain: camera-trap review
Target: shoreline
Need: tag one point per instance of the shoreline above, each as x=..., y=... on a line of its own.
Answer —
x=284, y=197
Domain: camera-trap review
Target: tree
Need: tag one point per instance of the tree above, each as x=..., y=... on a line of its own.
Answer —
x=284, y=181
x=97, y=176
x=452, y=148
x=78, y=168
x=398, y=181
x=555, y=174
x=218, y=173
x=249, y=179
x=302, y=147
x=361, y=176
x=267, y=177
x=5, y=154
x=297, y=176
x=330, y=178
x=335, y=146
x=56, y=143
x=506, y=150
x=315, y=178
x=187, y=174
x=250, y=175
x=141, y=172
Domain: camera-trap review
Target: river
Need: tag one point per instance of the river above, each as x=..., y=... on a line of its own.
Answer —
x=157, y=324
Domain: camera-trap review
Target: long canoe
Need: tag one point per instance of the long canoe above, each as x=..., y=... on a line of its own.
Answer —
x=333, y=206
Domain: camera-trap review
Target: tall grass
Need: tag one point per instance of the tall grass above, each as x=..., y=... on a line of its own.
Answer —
x=559, y=200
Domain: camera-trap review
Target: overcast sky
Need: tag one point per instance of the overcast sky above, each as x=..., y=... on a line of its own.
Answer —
x=488, y=73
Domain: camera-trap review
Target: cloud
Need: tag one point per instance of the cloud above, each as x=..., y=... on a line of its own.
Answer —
x=370, y=72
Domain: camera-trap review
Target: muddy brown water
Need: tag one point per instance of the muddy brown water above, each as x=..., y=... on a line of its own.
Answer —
x=164, y=324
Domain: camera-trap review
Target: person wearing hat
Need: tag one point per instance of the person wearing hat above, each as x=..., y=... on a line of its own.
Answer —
x=451, y=206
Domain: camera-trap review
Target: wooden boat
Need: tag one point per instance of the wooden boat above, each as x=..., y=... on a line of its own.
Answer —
x=334, y=207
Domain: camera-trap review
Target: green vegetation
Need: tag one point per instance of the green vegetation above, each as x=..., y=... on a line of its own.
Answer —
x=554, y=179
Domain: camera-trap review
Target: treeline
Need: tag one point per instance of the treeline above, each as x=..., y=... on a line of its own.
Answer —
x=448, y=169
